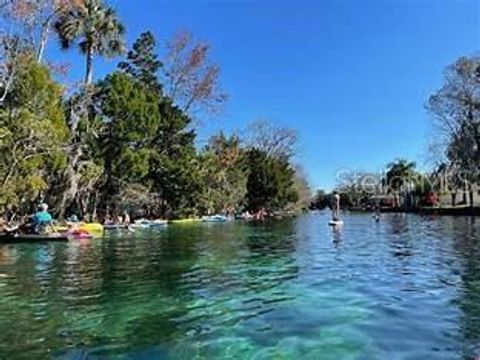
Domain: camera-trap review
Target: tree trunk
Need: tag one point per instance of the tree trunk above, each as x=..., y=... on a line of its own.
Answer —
x=453, y=196
x=81, y=207
x=72, y=178
x=94, y=210
x=43, y=40
x=89, y=66
x=470, y=195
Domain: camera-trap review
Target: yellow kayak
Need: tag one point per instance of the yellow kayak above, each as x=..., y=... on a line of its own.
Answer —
x=185, y=221
x=92, y=227
x=61, y=228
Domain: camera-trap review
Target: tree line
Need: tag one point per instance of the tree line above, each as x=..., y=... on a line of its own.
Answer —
x=454, y=150
x=126, y=142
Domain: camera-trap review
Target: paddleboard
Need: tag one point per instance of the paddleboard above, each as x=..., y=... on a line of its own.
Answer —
x=335, y=222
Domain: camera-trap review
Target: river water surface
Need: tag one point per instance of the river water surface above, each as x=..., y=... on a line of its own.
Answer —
x=407, y=287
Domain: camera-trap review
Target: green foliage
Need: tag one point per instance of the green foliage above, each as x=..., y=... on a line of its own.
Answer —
x=302, y=189
x=225, y=182
x=122, y=144
x=399, y=173
x=32, y=135
x=270, y=181
x=35, y=92
x=146, y=141
x=131, y=119
x=321, y=200
x=143, y=63
x=174, y=164
x=177, y=182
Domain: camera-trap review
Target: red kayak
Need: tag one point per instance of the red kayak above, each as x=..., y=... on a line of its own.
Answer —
x=80, y=234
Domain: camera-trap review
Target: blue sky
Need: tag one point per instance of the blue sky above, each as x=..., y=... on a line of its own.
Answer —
x=351, y=76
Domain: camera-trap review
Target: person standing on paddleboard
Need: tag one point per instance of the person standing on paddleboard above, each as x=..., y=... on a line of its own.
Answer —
x=336, y=206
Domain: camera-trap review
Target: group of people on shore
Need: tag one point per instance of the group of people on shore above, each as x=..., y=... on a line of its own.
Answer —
x=261, y=214
x=118, y=220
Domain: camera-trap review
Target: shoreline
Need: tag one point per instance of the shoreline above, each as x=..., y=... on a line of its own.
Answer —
x=424, y=210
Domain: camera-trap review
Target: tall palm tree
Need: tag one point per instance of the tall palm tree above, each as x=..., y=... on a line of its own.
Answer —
x=96, y=28
x=400, y=173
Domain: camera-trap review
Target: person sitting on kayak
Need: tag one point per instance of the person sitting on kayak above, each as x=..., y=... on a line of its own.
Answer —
x=108, y=220
x=73, y=219
x=41, y=219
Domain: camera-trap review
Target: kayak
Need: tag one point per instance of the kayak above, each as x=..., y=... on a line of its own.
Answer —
x=335, y=222
x=13, y=238
x=215, y=218
x=140, y=226
x=92, y=227
x=61, y=228
x=149, y=224
x=185, y=221
x=158, y=223
x=80, y=234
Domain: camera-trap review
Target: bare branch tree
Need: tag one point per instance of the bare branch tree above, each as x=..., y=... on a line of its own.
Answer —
x=456, y=114
x=273, y=139
x=14, y=55
x=32, y=19
x=192, y=80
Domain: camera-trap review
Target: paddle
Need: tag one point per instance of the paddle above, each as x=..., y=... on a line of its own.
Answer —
x=52, y=226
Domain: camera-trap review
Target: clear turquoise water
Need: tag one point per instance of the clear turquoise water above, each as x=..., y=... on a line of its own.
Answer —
x=405, y=288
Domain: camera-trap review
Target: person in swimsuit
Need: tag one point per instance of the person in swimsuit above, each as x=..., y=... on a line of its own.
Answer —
x=336, y=206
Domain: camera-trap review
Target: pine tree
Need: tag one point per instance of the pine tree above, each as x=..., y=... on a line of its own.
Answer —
x=130, y=114
x=270, y=181
x=143, y=63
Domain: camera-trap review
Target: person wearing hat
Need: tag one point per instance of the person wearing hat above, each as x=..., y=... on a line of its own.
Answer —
x=42, y=218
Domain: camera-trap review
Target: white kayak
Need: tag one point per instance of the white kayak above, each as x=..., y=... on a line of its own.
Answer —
x=215, y=218
x=335, y=222
x=147, y=224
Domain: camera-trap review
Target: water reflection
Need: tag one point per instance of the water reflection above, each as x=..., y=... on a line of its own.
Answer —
x=467, y=246
x=398, y=223
x=336, y=234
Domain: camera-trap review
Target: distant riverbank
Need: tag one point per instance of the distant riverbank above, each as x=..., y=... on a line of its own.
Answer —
x=428, y=210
